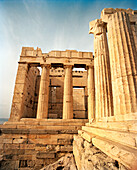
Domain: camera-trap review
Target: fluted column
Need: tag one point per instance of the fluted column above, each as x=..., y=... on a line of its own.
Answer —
x=123, y=59
x=91, y=93
x=68, y=94
x=103, y=88
x=42, y=111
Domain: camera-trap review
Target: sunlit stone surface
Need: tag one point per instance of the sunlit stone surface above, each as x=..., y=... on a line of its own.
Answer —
x=52, y=101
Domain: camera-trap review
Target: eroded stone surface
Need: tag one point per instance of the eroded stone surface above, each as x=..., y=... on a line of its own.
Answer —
x=89, y=157
x=34, y=144
x=67, y=163
x=108, y=94
x=50, y=95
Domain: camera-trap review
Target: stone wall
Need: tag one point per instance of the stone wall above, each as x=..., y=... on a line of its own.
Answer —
x=79, y=109
x=36, y=94
x=56, y=93
x=32, y=143
x=24, y=92
x=33, y=150
x=30, y=93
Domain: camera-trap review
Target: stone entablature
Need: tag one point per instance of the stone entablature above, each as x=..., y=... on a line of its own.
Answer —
x=37, y=58
x=29, y=51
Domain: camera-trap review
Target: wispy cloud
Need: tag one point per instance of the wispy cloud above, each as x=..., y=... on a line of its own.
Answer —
x=49, y=24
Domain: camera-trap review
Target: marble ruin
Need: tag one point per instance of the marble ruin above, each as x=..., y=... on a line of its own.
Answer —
x=61, y=110
x=50, y=95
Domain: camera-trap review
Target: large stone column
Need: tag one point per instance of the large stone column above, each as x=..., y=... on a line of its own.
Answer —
x=68, y=93
x=103, y=91
x=42, y=111
x=17, y=108
x=123, y=60
x=91, y=93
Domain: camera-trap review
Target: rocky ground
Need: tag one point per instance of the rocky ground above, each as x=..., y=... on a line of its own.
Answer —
x=89, y=157
x=67, y=162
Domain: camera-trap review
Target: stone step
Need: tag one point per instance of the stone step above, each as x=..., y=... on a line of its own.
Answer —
x=44, y=127
x=126, y=138
x=37, y=131
x=86, y=135
x=123, y=154
x=54, y=120
x=47, y=126
x=49, y=122
x=129, y=126
x=113, y=149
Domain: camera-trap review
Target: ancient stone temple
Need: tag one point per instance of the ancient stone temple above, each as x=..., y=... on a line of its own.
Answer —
x=57, y=109
x=48, y=108
x=59, y=92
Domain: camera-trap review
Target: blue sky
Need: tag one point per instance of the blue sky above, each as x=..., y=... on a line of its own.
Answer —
x=48, y=24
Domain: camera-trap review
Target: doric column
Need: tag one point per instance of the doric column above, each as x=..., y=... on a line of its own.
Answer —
x=42, y=110
x=68, y=93
x=17, y=108
x=103, y=91
x=123, y=60
x=91, y=93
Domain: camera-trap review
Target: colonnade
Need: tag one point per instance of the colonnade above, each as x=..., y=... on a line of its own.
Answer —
x=112, y=82
x=42, y=108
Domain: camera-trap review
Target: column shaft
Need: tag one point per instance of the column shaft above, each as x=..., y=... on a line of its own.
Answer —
x=91, y=93
x=123, y=63
x=68, y=94
x=42, y=111
x=103, y=87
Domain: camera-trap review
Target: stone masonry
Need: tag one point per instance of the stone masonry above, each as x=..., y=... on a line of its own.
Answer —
x=52, y=91
x=113, y=129
x=43, y=117
x=52, y=102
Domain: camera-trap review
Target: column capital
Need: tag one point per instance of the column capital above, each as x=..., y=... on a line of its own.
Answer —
x=108, y=12
x=46, y=65
x=68, y=65
x=90, y=66
x=97, y=27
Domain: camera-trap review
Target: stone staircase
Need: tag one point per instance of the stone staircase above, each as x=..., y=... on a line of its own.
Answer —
x=117, y=139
